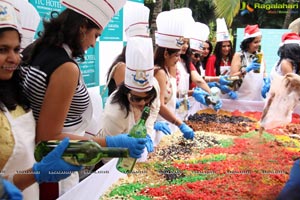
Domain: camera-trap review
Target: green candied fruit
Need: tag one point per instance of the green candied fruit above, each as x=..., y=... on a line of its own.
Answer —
x=265, y=135
x=189, y=179
x=127, y=189
x=226, y=143
x=141, y=198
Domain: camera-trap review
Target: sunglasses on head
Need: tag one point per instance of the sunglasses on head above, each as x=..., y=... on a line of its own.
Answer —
x=197, y=55
x=135, y=98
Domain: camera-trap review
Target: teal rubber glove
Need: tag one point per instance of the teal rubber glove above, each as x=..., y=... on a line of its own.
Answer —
x=213, y=84
x=52, y=168
x=218, y=105
x=224, y=80
x=225, y=89
x=200, y=95
x=163, y=127
x=188, y=133
x=233, y=95
x=9, y=191
x=266, y=87
x=252, y=66
x=149, y=144
x=135, y=145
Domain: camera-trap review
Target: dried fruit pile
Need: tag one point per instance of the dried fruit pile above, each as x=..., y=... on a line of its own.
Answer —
x=214, y=166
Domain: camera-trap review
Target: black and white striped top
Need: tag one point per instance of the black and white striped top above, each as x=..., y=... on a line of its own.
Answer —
x=35, y=78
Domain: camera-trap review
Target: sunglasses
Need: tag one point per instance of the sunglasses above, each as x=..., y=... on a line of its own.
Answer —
x=197, y=55
x=135, y=98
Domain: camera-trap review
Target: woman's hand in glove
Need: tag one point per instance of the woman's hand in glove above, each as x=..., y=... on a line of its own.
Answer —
x=52, y=168
x=135, y=145
x=224, y=80
x=200, y=95
x=163, y=127
x=188, y=133
x=254, y=65
x=10, y=190
x=266, y=87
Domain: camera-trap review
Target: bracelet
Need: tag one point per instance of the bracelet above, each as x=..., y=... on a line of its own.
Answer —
x=10, y=178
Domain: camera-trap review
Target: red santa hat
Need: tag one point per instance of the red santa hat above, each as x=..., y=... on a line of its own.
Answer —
x=251, y=31
x=290, y=38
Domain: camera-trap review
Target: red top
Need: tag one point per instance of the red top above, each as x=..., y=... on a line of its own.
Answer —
x=210, y=66
x=192, y=68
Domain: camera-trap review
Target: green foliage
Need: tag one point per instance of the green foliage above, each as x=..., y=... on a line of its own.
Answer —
x=227, y=10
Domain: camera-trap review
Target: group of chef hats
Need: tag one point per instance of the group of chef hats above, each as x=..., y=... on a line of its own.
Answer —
x=20, y=15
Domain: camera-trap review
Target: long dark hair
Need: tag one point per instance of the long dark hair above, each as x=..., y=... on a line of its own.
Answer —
x=120, y=97
x=63, y=28
x=159, y=58
x=187, y=61
x=204, y=61
x=10, y=90
x=218, y=54
x=120, y=58
x=291, y=52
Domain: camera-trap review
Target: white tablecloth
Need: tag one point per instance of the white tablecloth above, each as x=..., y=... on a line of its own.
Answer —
x=96, y=184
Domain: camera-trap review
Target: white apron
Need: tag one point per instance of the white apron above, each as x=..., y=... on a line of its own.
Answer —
x=22, y=158
x=171, y=104
x=252, y=83
x=182, y=88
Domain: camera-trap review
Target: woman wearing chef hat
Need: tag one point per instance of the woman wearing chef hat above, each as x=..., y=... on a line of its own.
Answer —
x=138, y=90
x=53, y=83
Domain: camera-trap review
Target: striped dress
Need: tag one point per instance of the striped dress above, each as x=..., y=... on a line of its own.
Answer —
x=35, y=79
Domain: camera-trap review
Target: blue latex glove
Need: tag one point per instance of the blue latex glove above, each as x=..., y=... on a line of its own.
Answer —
x=188, y=133
x=233, y=95
x=218, y=105
x=252, y=66
x=225, y=89
x=44, y=171
x=224, y=80
x=291, y=189
x=135, y=145
x=266, y=87
x=200, y=95
x=10, y=191
x=149, y=144
x=163, y=127
x=179, y=101
x=213, y=84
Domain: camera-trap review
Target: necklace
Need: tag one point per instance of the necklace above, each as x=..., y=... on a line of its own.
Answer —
x=225, y=61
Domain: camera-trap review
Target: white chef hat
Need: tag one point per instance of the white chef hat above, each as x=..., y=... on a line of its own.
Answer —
x=98, y=11
x=136, y=19
x=139, y=64
x=184, y=16
x=170, y=31
x=222, y=31
x=199, y=35
x=30, y=20
x=9, y=16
